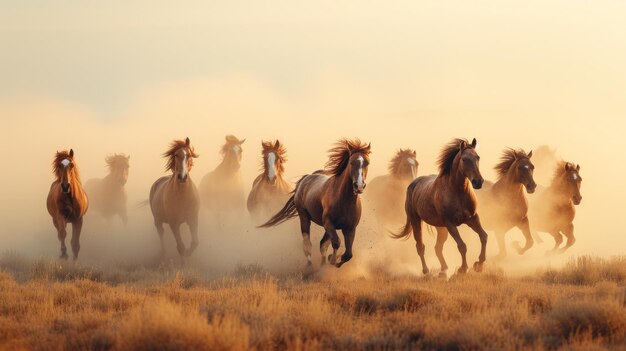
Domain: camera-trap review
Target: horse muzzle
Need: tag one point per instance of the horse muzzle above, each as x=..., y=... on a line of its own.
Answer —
x=65, y=188
x=530, y=188
x=358, y=189
x=477, y=183
x=182, y=179
x=577, y=199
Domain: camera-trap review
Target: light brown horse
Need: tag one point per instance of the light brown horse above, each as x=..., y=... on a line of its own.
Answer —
x=222, y=189
x=386, y=194
x=108, y=195
x=174, y=198
x=446, y=201
x=330, y=198
x=553, y=209
x=270, y=190
x=67, y=201
x=503, y=205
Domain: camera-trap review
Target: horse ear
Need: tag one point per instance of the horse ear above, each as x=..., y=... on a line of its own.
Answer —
x=277, y=144
x=577, y=168
x=369, y=147
x=242, y=141
x=474, y=143
x=462, y=145
x=71, y=152
x=414, y=153
x=530, y=154
x=187, y=142
x=568, y=166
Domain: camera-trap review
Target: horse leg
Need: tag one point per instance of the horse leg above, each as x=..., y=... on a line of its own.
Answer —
x=61, y=233
x=305, y=229
x=324, y=246
x=537, y=238
x=161, y=231
x=416, y=223
x=193, y=229
x=77, y=226
x=524, y=226
x=348, y=236
x=474, y=223
x=569, y=234
x=179, y=241
x=558, y=239
x=442, y=236
x=334, y=240
x=460, y=244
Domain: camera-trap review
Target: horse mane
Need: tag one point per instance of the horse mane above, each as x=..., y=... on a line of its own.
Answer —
x=396, y=161
x=560, y=171
x=281, y=154
x=230, y=141
x=169, y=154
x=339, y=155
x=509, y=156
x=448, y=153
x=57, y=167
x=114, y=160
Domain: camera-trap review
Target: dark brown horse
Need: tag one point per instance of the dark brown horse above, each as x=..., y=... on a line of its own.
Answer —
x=174, y=198
x=270, y=190
x=446, y=201
x=386, y=194
x=222, y=189
x=330, y=198
x=503, y=205
x=553, y=209
x=67, y=201
x=108, y=195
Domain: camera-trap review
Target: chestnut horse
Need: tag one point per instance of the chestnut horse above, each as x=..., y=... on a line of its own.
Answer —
x=386, y=193
x=67, y=201
x=503, y=205
x=108, y=195
x=553, y=208
x=222, y=189
x=330, y=198
x=270, y=190
x=174, y=198
x=446, y=201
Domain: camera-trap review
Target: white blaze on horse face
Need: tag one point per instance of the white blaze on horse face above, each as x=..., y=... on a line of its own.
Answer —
x=359, y=180
x=271, y=165
x=65, y=162
x=412, y=163
x=237, y=149
x=183, y=169
x=574, y=176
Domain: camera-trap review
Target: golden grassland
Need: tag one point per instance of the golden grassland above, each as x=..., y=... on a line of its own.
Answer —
x=48, y=305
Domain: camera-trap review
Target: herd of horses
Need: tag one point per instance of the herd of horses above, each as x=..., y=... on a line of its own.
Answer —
x=331, y=197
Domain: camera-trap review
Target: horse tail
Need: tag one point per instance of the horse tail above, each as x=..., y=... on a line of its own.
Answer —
x=404, y=232
x=287, y=212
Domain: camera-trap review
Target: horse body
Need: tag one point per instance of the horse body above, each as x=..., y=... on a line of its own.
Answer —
x=386, y=194
x=503, y=205
x=108, y=195
x=553, y=209
x=269, y=190
x=330, y=199
x=67, y=201
x=222, y=189
x=174, y=199
x=446, y=201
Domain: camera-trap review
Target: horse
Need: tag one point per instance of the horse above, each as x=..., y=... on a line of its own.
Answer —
x=503, y=204
x=222, y=189
x=67, y=201
x=553, y=208
x=270, y=190
x=108, y=195
x=174, y=198
x=386, y=193
x=330, y=198
x=446, y=201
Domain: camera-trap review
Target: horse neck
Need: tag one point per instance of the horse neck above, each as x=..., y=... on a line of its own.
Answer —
x=344, y=183
x=229, y=164
x=558, y=191
x=407, y=175
x=508, y=183
x=111, y=180
x=455, y=179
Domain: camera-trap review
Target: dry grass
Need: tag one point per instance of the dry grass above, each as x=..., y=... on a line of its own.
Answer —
x=48, y=306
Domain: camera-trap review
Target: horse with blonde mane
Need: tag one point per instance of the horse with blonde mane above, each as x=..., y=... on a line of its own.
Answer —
x=108, y=195
x=174, y=199
x=330, y=198
x=553, y=208
x=222, y=189
x=67, y=201
x=270, y=190
x=446, y=201
x=386, y=193
x=503, y=204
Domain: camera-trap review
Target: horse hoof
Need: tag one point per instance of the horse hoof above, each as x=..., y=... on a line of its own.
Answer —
x=462, y=270
x=478, y=266
x=443, y=275
x=63, y=257
x=425, y=271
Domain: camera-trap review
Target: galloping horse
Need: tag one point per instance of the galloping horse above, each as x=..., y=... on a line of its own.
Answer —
x=222, y=189
x=386, y=193
x=503, y=205
x=67, y=201
x=108, y=195
x=174, y=198
x=553, y=209
x=446, y=201
x=270, y=190
x=330, y=198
